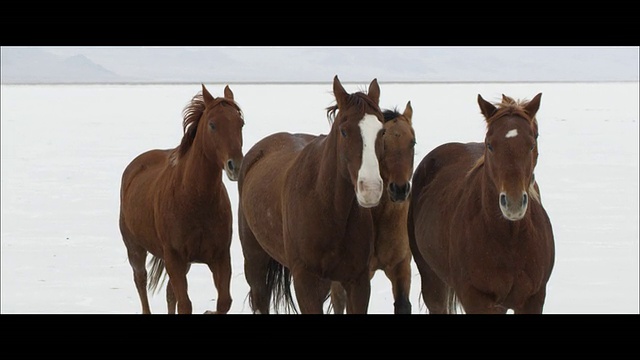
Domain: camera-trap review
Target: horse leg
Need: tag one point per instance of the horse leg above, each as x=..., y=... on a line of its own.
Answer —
x=338, y=297
x=311, y=291
x=177, y=268
x=171, y=299
x=475, y=301
x=534, y=304
x=358, y=295
x=221, y=270
x=256, y=267
x=434, y=291
x=400, y=277
x=137, y=258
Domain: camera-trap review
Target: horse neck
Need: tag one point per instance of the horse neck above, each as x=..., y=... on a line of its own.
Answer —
x=197, y=172
x=329, y=180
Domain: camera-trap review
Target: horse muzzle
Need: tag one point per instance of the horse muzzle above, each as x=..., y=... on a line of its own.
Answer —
x=368, y=193
x=513, y=209
x=398, y=193
x=232, y=169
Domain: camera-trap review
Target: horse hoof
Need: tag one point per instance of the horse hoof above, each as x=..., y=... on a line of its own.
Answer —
x=209, y=312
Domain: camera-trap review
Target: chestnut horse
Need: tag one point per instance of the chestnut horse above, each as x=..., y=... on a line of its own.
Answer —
x=174, y=205
x=304, y=208
x=478, y=232
x=391, y=245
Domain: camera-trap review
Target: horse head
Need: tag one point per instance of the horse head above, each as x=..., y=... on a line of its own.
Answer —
x=221, y=131
x=399, y=141
x=358, y=129
x=511, y=153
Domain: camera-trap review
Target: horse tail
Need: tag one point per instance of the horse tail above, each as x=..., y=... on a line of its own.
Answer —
x=453, y=303
x=279, y=284
x=157, y=271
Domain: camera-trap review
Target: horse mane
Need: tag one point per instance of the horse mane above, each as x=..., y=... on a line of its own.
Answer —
x=511, y=107
x=191, y=117
x=356, y=99
x=390, y=114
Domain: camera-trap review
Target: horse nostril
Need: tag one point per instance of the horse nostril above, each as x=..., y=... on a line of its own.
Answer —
x=230, y=165
x=524, y=199
x=503, y=199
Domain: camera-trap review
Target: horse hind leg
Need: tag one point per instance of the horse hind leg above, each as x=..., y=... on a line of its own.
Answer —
x=137, y=256
x=435, y=292
x=256, y=268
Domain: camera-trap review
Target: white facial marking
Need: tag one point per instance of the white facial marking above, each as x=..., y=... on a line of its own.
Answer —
x=512, y=133
x=369, y=187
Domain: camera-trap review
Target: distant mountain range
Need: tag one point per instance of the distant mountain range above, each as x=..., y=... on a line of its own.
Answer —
x=137, y=64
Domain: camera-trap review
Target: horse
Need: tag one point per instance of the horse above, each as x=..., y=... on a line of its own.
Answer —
x=391, y=244
x=478, y=233
x=175, y=206
x=304, y=208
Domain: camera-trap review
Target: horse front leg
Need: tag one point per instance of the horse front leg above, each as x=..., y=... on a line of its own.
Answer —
x=358, y=294
x=221, y=270
x=177, y=268
x=400, y=277
x=533, y=305
x=311, y=291
x=338, y=297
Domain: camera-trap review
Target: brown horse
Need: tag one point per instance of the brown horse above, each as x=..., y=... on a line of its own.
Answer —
x=478, y=232
x=304, y=208
x=391, y=244
x=174, y=205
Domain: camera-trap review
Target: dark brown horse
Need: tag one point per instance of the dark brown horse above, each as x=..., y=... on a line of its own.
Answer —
x=304, y=208
x=174, y=205
x=478, y=232
x=391, y=246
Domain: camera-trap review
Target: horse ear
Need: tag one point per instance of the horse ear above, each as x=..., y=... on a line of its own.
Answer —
x=532, y=106
x=408, y=112
x=206, y=95
x=228, y=93
x=374, y=91
x=486, y=107
x=339, y=92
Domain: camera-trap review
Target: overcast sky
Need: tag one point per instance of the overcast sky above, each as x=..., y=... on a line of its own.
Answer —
x=134, y=64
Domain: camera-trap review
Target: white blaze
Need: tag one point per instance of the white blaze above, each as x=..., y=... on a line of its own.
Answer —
x=369, y=187
x=512, y=133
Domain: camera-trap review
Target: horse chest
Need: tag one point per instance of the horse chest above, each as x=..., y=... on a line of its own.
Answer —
x=333, y=251
x=511, y=272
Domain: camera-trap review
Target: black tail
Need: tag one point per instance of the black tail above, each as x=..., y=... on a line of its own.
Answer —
x=279, y=283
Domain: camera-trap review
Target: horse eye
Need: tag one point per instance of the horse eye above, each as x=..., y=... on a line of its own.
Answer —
x=489, y=147
x=343, y=132
x=212, y=126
